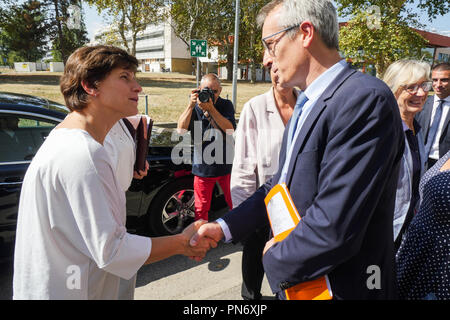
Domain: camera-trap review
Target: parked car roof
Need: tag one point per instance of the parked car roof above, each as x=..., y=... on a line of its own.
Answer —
x=23, y=102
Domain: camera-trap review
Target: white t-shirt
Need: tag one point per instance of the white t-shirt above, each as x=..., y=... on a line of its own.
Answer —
x=71, y=240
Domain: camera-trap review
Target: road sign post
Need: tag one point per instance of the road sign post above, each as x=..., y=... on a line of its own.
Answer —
x=199, y=49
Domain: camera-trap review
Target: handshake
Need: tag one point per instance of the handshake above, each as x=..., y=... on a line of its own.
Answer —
x=200, y=236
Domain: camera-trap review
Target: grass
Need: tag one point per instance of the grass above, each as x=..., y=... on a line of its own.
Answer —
x=168, y=93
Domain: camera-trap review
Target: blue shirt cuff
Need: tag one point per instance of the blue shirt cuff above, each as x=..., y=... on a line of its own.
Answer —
x=225, y=229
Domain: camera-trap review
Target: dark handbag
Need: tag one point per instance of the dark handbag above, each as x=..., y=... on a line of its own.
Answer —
x=141, y=136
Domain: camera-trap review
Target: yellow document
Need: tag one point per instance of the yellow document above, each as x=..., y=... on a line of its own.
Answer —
x=283, y=217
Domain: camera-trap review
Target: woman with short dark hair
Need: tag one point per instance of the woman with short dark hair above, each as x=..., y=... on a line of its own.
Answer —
x=71, y=240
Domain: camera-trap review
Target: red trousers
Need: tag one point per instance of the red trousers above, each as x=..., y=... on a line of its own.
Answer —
x=203, y=188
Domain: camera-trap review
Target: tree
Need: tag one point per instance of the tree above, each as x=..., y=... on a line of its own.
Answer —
x=213, y=20
x=73, y=39
x=379, y=31
x=130, y=17
x=110, y=36
x=189, y=19
x=53, y=18
x=221, y=30
x=24, y=29
x=250, y=45
x=65, y=40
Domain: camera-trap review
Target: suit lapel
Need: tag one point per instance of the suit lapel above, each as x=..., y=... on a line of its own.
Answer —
x=444, y=127
x=314, y=115
x=427, y=110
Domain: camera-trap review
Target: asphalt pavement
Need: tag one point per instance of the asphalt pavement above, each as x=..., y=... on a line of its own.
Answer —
x=217, y=277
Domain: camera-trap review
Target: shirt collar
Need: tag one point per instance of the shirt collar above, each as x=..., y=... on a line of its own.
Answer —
x=416, y=125
x=318, y=86
x=436, y=99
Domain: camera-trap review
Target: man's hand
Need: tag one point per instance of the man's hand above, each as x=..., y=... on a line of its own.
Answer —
x=206, y=106
x=193, y=99
x=141, y=174
x=202, y=246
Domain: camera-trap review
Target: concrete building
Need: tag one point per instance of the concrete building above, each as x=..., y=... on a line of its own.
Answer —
x=158, y=49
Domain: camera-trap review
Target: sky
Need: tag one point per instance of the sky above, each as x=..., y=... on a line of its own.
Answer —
x=440, y=25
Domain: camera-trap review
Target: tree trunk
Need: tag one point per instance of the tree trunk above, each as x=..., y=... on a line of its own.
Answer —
x=121, y=27
x=252, y=62
x=133, y=44
x=229, y=63
x=60, y=32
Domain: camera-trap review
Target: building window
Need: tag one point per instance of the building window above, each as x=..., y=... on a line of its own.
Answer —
x=150, y=49
x=443, y=57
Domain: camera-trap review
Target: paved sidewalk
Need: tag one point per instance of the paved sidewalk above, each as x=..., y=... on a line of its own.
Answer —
x=178, y=278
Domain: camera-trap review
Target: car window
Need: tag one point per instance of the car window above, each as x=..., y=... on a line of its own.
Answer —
x=21, y=137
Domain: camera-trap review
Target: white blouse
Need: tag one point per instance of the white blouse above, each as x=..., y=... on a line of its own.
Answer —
x=121, y=148
x=71, y=240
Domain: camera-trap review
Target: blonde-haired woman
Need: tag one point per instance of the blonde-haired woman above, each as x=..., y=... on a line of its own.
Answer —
x=410, y=82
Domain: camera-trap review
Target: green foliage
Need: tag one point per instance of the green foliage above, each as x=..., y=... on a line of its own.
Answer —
x=130, y=17
x=23, y=31
x=250, y=45
x=190, y=19
x=381, y=40
x=28, y=29
x=213, y=20
x=73, y=39
x=65, y=40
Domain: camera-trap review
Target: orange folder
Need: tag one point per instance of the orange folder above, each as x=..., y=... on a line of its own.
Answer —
x=284, y=217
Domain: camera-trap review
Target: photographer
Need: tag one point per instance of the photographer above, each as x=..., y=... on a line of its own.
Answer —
x=210, y=119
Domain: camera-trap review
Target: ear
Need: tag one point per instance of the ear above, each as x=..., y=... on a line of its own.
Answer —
x=308, y=32
x=89, y=90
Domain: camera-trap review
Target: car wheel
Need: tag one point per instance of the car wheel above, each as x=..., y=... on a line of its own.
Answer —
x=173, y=207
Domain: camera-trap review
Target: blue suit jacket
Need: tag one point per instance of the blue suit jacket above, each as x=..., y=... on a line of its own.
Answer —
x=342, y=178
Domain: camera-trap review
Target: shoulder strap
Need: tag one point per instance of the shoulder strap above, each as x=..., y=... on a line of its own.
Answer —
x=130, y=128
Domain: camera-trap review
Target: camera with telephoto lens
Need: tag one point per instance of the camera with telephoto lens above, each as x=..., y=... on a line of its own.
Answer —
x=205, y=94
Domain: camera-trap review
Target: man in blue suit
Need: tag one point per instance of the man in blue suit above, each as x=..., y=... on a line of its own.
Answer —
x=339, y=159
x=435, y=116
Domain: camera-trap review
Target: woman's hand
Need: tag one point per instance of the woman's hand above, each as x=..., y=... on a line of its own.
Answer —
x=197, y=252
x=141, y=174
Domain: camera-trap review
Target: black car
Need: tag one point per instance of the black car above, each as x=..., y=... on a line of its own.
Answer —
x=160, y=204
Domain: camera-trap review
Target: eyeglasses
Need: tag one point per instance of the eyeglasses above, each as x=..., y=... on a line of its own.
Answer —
x=414, y=88
x=270, y=47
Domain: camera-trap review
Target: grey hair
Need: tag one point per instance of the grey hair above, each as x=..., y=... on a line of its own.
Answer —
x=404, y=72
x=211, y=77
x=321, y=13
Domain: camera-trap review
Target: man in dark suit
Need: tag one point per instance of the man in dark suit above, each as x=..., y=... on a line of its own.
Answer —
x=339, y=159
x=435, y=116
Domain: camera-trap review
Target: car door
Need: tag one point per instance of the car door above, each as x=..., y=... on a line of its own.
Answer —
x=21, y=135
